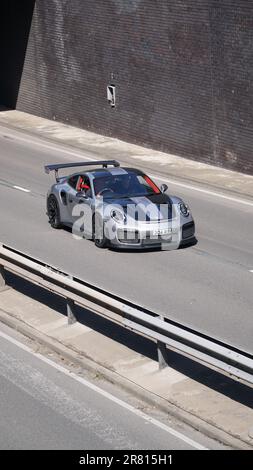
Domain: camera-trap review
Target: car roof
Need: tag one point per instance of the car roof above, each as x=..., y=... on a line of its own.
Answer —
x=100, y=172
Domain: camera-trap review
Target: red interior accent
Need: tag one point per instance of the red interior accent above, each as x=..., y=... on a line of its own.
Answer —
x=152, y=184
x=82, y=185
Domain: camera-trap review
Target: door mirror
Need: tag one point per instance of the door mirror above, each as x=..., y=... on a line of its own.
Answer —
x=164, y=188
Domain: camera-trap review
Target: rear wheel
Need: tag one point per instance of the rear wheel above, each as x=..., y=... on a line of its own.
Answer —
x=98, y=231
x=53, y=212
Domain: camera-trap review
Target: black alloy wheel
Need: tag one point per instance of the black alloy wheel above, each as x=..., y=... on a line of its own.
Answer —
x=53, y=212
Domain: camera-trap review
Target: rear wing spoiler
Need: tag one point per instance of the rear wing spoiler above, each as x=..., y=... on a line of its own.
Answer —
x=58, y=166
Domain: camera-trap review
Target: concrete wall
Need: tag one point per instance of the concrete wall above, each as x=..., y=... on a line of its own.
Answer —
x=182, y=70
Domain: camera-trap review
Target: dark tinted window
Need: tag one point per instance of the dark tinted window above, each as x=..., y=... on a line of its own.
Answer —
x=73, y=181
x=83, y=184
x=129, y=184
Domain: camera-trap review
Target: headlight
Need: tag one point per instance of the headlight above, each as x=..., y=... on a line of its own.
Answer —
x=118, y=216
x=184, y=209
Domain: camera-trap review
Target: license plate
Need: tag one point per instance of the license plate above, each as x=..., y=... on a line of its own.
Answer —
x=162, y=231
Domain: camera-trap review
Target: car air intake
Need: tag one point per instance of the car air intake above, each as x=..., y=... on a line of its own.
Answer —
x=188, y=230
x=128, y=236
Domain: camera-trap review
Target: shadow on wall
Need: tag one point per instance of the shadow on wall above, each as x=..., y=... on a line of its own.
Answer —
x=15, y=24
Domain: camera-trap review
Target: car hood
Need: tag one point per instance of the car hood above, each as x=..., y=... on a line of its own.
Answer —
x=145, y=208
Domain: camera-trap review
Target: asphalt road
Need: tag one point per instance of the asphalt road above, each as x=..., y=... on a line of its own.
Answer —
x=45, y=406
x=208, y=287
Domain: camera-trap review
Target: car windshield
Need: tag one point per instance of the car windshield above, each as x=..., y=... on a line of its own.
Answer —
x=124, y=185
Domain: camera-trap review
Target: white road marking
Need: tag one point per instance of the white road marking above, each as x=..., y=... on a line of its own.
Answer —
x=105, y=394
x=251, y=270
x=182, y=185
x=22, y=189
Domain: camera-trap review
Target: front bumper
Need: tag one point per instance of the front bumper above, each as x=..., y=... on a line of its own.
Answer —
x=148, y=235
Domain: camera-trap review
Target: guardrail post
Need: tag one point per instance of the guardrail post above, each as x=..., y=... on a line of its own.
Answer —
x=71, y=311
x=162, y=353
x=2, y=279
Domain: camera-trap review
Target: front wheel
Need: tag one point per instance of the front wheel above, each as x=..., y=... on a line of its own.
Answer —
x=99, y=237
x=53, y=212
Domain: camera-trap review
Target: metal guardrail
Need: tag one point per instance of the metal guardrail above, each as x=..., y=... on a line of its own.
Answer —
x=163, y=331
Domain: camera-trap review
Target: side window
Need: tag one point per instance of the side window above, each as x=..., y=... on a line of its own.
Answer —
x=73, y=181
x=83, y=184
x=87, y=186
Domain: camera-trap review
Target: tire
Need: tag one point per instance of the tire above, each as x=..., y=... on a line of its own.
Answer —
x=53, y=212
x=99, y=237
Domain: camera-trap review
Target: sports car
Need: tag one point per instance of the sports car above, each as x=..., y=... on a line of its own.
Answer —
x=117, y=207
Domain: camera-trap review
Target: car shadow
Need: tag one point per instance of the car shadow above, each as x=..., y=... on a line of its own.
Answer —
x=202, y=374
x=154, y=249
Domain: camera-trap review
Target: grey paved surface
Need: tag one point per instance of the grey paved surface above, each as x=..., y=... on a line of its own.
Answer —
x=208, y=286
x=213, y=404
x=91, y=144
x=43, y=408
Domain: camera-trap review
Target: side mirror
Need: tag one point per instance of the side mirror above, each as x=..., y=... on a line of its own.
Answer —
x=164, y=188
x=81, y=195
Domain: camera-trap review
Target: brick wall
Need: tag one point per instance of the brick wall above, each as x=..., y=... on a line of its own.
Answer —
x=182, y=70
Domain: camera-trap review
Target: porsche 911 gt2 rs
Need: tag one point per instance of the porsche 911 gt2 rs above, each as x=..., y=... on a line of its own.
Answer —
x=117, y=207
